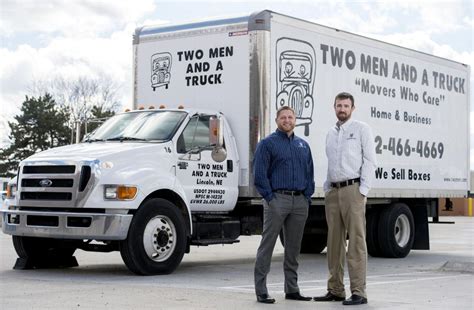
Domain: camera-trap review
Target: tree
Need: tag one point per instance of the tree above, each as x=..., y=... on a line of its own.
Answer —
x=99, y=115
x=86, y=98
x=40, y=125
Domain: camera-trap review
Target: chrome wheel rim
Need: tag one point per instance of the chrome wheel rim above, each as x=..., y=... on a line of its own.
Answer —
x=402, y=230
x=159, y=238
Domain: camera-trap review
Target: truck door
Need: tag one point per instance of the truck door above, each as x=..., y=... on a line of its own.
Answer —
x=209, y=185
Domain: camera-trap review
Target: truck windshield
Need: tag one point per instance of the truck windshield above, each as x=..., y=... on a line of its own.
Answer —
x=139, y=126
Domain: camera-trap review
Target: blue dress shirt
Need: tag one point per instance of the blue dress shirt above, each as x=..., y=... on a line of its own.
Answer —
x=283, y=163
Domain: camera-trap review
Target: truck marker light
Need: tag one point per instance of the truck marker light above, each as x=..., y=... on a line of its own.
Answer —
x=119, y=192
x=152, y=107
x=180, y=107
x=141, y=108
x=11, y=191
x=162, y=106
x=126, y=192
x=127, y=110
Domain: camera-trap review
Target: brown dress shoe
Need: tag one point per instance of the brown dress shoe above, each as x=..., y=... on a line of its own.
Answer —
x=355, y=300
x=329, y=297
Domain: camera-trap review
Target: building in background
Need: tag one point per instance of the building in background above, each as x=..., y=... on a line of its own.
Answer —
x=458, y=206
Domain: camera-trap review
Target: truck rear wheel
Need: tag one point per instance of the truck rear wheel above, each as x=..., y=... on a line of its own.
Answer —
x=396, y=231
x=372, y=235
x=156, y=240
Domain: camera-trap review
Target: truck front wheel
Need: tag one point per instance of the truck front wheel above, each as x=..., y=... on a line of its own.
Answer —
x=396, y=231
x=156, y=240
x=36, y=252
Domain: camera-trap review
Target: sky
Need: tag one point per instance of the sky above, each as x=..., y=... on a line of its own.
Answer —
x=41, y=39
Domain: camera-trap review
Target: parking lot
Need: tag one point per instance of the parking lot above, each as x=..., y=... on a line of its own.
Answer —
x=221, y=277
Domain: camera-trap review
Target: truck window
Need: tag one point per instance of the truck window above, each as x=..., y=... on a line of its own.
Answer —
x=146, y=125
x=195, y=135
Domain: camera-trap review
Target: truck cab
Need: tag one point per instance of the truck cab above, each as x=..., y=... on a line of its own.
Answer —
x=177, y=162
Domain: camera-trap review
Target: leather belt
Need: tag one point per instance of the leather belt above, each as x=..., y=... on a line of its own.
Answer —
x=289, y=193
x=345, y=183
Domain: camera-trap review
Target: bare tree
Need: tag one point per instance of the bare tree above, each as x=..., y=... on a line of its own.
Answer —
x=81, y=97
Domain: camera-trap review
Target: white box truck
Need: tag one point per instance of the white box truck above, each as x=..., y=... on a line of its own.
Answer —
x=152, y=182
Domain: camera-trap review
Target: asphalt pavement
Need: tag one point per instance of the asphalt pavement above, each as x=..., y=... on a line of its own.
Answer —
x=221, y=277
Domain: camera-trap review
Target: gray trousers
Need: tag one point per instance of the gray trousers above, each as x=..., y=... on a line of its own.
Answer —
x=289, y=212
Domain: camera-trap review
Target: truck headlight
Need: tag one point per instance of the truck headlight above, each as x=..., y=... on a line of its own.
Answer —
x=120, y=192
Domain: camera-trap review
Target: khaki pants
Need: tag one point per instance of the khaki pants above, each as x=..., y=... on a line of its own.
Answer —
x=345, y=213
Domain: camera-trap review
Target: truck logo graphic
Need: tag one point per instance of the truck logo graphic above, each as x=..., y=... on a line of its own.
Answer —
x=296, y=70
x=45, y=183
x=160, y=70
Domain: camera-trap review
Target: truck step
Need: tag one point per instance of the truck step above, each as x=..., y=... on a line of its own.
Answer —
x=206, y=242
x=213, y=218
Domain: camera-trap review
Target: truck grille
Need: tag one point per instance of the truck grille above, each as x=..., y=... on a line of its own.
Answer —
x=45, y=196
x=55, y=182
x=48, y=169
x=54, y=185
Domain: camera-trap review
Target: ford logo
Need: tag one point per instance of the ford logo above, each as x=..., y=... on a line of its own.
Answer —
x=45, y=183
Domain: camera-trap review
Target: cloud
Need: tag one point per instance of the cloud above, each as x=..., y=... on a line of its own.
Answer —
x=76, y=38
x=356, y=17
x=68, y=58
x=71, y=17
x=436, y=16
x=423, y=42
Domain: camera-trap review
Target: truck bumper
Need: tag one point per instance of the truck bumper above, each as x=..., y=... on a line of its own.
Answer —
x=64, y=225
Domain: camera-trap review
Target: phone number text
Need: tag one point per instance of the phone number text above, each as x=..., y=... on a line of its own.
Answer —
x=405, y=147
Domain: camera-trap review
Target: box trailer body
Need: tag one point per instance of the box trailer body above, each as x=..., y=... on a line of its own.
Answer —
x=415, y=103
x=219, y=84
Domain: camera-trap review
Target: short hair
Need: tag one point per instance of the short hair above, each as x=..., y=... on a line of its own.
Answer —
x=344, y=95
x=285, y=108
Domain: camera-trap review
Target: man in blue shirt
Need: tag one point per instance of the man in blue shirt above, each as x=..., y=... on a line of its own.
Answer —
x=284, y=176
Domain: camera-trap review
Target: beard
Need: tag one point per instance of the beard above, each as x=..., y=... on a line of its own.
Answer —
x=342, y=116
x=287, y=128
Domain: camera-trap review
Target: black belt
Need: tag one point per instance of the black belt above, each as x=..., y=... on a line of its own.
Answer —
x=287, y=192
x=345, y=183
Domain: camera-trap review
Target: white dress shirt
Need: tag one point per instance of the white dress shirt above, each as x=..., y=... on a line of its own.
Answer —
x=350, y=150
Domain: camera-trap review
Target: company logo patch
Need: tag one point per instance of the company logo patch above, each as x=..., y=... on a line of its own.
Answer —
x=45, y=183
x=161, y=70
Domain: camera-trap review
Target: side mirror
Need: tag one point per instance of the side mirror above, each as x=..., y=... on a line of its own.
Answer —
x=218, y=154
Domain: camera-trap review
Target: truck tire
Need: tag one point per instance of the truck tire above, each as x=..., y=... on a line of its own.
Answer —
x=43, y=251
x=310, y=244
x=313, y=243
x=396, y=231
x=372, y=234
x=156, y=240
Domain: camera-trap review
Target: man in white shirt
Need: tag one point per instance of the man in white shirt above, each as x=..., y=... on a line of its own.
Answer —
x=351, y=164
